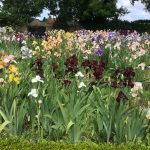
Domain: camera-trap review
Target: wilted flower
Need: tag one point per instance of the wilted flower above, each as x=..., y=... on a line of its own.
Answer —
x=37, y=79
x=79, y=74
x=81, y=85
x=33, y=92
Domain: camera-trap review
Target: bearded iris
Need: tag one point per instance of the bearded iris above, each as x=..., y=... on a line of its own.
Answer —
x=33, y=92
x=98, y=52
x=37, y=79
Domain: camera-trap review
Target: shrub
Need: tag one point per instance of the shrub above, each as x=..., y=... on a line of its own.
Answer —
x=22, y=144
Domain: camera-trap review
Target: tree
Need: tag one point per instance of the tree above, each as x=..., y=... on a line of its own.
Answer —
x=18, y=12
x=84, y=10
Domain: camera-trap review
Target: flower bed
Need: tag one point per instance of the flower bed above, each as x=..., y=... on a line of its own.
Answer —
x=75, y=86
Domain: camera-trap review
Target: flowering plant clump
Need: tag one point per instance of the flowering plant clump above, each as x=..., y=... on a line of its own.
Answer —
x=9, y=70
x=14, y=75
x=75, y=85
x=25, y=51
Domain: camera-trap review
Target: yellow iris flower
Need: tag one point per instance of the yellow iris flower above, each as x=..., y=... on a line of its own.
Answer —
x=14, y=78
x=12, y=68
x=11, y=76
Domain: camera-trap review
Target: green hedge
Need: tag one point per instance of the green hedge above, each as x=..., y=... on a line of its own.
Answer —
x=140, y=26
x=117, y=25
x=21, y=144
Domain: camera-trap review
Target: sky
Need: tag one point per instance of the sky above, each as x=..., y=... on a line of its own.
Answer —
x=136, y=12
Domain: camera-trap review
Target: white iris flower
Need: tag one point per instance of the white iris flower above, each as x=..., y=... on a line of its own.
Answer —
x=79, y=74
x=37, y=79
x=33, y=92
x=81, y=85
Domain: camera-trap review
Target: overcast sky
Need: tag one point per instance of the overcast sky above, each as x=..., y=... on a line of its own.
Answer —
x=136, y=12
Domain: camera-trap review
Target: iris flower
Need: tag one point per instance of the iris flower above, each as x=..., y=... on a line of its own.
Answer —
x=79, y=74
x=37, y=79
x=33, y=92
x=81, y=85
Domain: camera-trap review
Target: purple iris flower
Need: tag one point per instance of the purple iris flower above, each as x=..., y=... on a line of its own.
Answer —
x=93, y=39
x=98, y=38
x=98, y=52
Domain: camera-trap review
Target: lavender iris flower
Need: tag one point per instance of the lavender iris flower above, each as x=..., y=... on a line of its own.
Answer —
x=98, y=52
x=93, y=39
x=97, y=39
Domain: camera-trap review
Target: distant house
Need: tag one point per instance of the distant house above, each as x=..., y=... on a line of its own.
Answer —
x=38, y=26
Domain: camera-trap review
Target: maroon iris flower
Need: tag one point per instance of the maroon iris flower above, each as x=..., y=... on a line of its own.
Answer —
x=98, y=71
x=39, y=64
x=103, y=63
x=121, y=96
x=67, y=82
x=71, y=64
x=86, y=63
x=129, y=72
x=94, y=64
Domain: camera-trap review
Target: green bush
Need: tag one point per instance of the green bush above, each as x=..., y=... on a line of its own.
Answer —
x=140, y=26
x=21, y=144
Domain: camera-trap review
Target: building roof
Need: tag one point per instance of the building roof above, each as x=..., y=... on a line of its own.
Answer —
x=46, y=23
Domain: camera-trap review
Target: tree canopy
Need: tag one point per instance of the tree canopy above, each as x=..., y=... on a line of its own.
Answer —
x=84, y=10
x=17, y=12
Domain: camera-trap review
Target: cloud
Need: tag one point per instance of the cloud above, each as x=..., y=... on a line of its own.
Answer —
x=137, y=12
x=44, y=14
